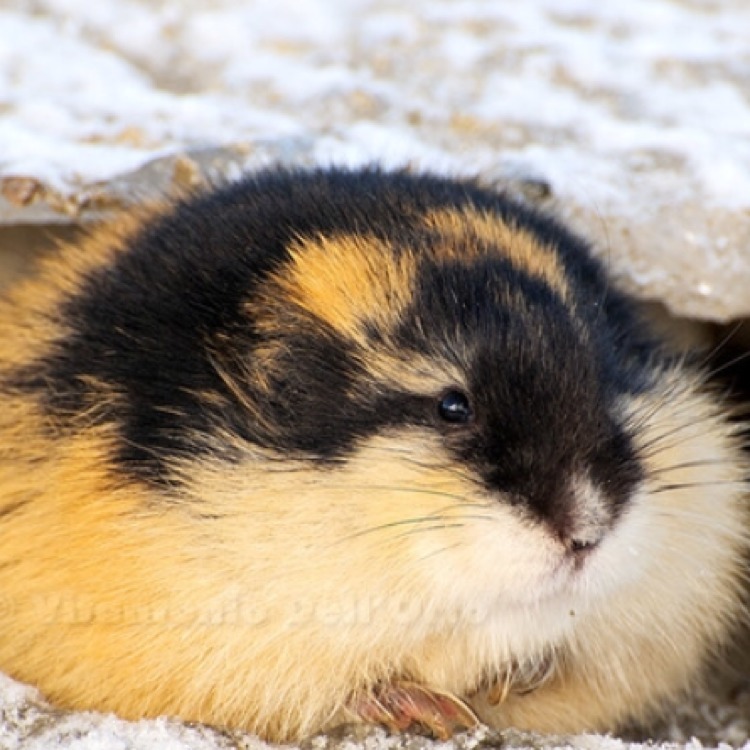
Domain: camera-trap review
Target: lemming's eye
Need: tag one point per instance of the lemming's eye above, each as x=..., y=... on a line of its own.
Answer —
x=454, y=407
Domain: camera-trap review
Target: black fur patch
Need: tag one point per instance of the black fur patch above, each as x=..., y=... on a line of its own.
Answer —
x=152, y=326
x=542, y=385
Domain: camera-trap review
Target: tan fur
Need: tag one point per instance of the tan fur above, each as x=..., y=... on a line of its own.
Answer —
x=346, y=282
x=469, y=233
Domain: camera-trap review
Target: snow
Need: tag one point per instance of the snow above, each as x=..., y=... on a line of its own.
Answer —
x=617, y=78
x=27, y=722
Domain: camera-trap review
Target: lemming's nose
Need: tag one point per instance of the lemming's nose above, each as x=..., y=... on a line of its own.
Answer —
x=585, y=519
x=579, y=546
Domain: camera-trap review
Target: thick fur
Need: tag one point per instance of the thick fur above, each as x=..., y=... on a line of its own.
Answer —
x=227, y=492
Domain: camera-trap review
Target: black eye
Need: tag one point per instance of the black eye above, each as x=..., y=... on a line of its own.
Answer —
x=454, y=407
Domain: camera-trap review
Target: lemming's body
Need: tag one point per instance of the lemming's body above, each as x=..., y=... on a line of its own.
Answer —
x=329, y=445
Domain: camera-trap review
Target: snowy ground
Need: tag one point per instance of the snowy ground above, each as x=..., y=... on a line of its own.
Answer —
x=634, y=115
x=28, y=723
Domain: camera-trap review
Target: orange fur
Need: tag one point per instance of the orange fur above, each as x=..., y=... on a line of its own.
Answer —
x=469, y=233
x=347, y=282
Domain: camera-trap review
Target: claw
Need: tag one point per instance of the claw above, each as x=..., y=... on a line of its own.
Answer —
x=401, y=705
x=513, y=680
x=500, y=689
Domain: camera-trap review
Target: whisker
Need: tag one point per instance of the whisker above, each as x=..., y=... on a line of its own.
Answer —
x=636, y=422
x=655, y=449
x=434, y=527
x=440, y=551
x=655, y=442
x=698, y=523
x=456, y=523
x=389, y=525
x=415, y=490
x=727, y=365
x=422, y=464
x=437, y=521
x=461, y=501
x=714, y=351
x=694, y=485
x=698, y=463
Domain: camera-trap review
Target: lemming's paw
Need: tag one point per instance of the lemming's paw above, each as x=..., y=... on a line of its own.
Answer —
x=403, y=705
